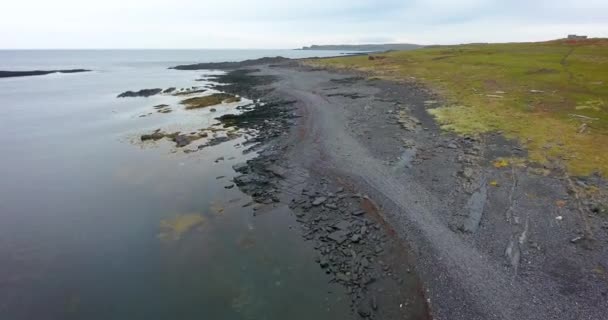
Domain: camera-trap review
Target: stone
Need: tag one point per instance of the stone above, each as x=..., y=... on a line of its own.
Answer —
x=182, y=140
x=240, y=167
x=277, y=170
x=331, y=206
x=373, y=303
x=323, y=263
x=319, y=201
x=338, y=236
x=342, y=225
x=358, y=213
x=364, y=311
x=141, y=93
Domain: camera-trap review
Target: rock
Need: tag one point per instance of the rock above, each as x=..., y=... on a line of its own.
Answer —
x=342, y=225
x=364, y=262
x=277, y=170
x=355, y=238
x=169, y=90
x=229, y=186
x=468, y=172
x=219, y=159
x=241, y=167
x=331, y=206
x=141, y=93
x=342, y=277
x=577, y=239
x=452, y=146
x=182, y=140
x=212, y=110
x=358, y=213
x=323, y=263
x=373, y=303
x=338, y=236
x=363, y=310
x=319, y=201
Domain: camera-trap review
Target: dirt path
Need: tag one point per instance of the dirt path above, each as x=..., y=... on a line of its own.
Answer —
x=466, y=276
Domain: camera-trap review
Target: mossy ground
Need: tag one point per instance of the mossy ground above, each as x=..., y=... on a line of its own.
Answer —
x=210, y=100
x=551, y=96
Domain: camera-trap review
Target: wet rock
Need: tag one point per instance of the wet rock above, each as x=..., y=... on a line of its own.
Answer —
x=277, y=170
x=182, y=140
x=169, y=90
x=342, y=277
x=373, y=303
x=364, y=310
x=240, y=167
x=323, y=263
x=229, y=186
x=251, y=179
x=141, y=93
x=154, y=136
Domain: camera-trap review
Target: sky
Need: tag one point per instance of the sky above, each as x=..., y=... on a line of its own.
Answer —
x=291, y=23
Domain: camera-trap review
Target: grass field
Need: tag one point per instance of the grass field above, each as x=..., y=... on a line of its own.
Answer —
x=551, y=96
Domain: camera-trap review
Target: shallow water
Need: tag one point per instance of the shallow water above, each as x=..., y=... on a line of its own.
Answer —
x=82, y=207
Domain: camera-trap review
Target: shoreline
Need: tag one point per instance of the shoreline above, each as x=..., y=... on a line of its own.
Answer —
x=454, y=222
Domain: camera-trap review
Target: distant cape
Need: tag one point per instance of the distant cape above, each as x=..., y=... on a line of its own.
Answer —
x=365, y=47
x=10, y=74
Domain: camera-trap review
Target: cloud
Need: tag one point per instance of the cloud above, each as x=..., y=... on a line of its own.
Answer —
x=285, y=24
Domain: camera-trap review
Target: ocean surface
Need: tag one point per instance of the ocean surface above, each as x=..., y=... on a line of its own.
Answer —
x=84, y=204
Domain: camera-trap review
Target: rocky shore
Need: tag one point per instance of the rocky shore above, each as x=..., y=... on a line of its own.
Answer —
x=414, y=222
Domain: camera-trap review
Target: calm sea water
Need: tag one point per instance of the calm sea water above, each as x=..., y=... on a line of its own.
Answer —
x=82, y=204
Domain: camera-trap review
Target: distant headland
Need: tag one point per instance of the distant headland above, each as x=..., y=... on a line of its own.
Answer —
x=365, y=47
x=9, y=74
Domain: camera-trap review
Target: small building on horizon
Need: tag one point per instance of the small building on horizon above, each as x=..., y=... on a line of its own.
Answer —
x=576, y=37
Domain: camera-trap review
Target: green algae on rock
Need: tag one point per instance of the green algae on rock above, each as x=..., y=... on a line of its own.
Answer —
x=210, y=100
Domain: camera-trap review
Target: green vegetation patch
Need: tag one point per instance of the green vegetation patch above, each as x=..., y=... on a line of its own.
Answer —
x=210, y=100
x=551, y=96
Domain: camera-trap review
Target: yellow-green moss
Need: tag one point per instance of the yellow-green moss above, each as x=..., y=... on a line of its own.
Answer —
x=210, y=100
x=174, y=228
x=551, y=96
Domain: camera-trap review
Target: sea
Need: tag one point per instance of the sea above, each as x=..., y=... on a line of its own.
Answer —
x=96, y=224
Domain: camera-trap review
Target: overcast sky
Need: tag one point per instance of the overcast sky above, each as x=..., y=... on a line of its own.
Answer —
x=290, y=23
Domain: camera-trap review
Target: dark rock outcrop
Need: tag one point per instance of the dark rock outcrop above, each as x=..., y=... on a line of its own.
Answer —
x=141, y=93
x=230, y=65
